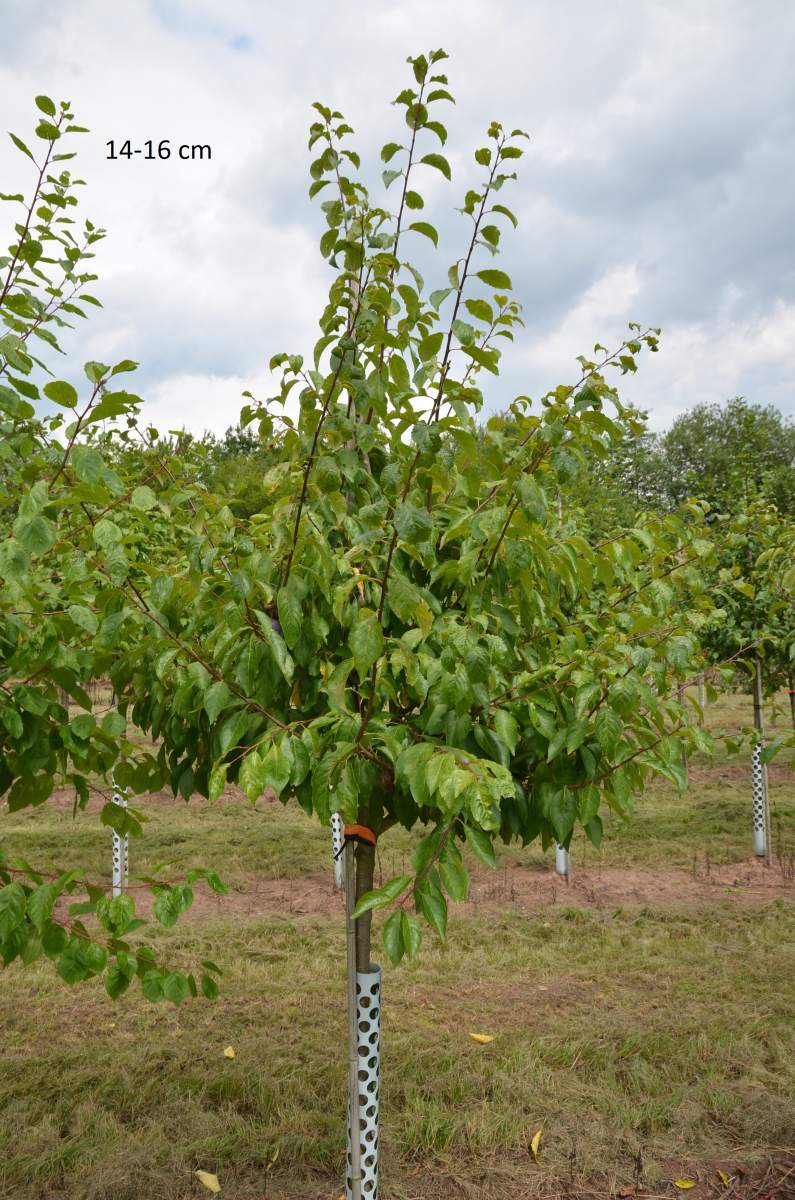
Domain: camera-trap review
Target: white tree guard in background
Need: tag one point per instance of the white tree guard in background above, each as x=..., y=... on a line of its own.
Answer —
x=336, y=846
x=759, y=793
x=761, y=809
x=368, y=1014
x=121, y=848
x=562, y=861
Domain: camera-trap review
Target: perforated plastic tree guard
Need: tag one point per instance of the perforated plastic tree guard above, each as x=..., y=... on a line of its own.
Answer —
x=759, y=790
x=562, y=861
x=368, y=1014
x=120, y=849
x=336, y=849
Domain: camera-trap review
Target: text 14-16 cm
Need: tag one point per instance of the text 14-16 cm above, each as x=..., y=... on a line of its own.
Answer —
x=158, y=150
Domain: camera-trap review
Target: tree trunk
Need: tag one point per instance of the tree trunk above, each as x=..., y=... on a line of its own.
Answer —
x=758, y=726
x=365, y=870
x=791, y=677
x=354, y=1171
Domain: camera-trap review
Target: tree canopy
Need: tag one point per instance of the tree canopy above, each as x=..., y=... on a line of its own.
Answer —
x=408, y=630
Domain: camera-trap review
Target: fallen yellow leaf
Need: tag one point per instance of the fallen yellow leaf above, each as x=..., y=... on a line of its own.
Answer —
x=724, y=1178
x=534, y=1141
x=483, y=1038
x=209, y=1181
x=684, y=1184
x=229, y=1052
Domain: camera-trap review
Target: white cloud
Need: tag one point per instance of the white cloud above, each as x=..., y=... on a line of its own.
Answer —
x=658, y=185
x=199, y=403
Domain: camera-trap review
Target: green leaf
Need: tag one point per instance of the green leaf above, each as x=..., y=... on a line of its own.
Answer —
x=278, y=764
x=288, y=604
x=119, y=818
x=176, y=987
x=216, y=699
x=143, y=498
x=171, y=902
x=608, y=726
x=426, y=230
x=12, y=908
x=209, y=987
x=454, y=876
x=431, y=903
x=217, y=782
x=253, y=775
x=61, y=393
x=464, y=332
x=480, y=845
x=46, y=105
x=281, y=654
x=480, y=309
x=95, y=371
x=439, y=162
x=438, y=297
x=495, y=279
x=47, y=131
x=506, y=212
x=430, y=346
x=107, y=534
x=506, y=728
x=411, y=934
x=381, y=897
x=88, y=463
x=37, y=536
x=21, y=146
x=393, y=938
x=119, y=975
x=425, y=850
x=576, y=734
x=152, y=985
x=40, y=904
x=366, y=640
x=593, y=829
x=390, y=150
x=83, y=617
x=53, y=940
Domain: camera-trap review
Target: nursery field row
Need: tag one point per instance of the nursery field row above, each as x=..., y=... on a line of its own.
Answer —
x=640, y=1016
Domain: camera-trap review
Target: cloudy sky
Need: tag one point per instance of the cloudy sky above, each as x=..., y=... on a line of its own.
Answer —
x=658, y=185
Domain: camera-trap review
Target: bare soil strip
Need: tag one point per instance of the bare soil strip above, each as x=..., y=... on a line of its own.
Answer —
x=519, y=889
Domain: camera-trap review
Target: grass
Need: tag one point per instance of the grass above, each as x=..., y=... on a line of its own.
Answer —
x=615, y=1034
x=647, y=1038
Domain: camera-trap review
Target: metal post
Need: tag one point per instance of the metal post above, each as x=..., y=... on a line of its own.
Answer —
x=761, y=808
x=364, y=1132
x=336, y=846
x=120, y=847
x=562, y=862
x=354, y=1174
